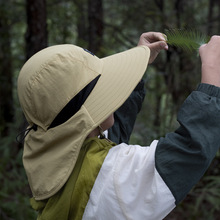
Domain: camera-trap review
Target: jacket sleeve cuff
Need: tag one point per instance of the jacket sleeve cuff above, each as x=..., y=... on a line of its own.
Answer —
x=209, y=89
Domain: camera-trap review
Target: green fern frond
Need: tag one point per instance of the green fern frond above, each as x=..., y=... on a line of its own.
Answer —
x=188, y=40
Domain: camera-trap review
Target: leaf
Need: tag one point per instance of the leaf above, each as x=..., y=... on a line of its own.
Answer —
x=188, y=40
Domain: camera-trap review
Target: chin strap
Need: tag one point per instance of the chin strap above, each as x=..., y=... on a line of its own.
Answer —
x=101, y=133
x=21, y=136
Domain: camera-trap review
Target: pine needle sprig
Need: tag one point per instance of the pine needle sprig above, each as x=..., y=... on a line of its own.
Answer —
x=188, y=40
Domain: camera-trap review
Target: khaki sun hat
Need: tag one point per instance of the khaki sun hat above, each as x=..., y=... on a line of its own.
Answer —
x=65, y=93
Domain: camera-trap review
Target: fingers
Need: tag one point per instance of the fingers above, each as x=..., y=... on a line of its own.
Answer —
x=158, y=46
x=210, y=57
x=156, y=41
x=155, y=49
x=210, y=52
x=152, y=37
x=201, y=50
x=202, y=47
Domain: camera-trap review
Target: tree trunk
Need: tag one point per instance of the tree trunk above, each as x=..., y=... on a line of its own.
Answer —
x=218, y=28
x=82, y=31
x=36, y=35
x=179, y=9
x=210, y=17
x=6, y=87
x=160, y=5
x=95, y=17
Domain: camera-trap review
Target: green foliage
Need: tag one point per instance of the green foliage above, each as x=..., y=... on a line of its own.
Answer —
x=15, y=193
x=207, y=192
x=188, y=40
x=203, y=202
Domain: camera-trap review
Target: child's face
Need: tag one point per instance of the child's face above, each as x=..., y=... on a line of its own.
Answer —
x=105, y=125
x=108, y=123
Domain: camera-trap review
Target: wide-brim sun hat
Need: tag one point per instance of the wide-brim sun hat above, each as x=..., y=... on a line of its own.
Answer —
x=50, y=84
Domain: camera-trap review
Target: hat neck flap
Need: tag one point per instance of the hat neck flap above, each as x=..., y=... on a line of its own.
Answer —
x=74, y=104
x=49, y=157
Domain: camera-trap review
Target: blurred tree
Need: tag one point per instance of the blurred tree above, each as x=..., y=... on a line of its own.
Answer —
x=81, y=22
x=213, y=23
x=61, y=20
x=36, y=35
x=89, y=24
x=95, y=29
x=6, y=81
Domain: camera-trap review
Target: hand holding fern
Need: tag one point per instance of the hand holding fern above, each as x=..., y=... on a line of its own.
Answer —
x=210, y=57
x=155, y=41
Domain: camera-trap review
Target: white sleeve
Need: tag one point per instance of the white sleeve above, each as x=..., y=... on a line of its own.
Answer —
x=129, y=187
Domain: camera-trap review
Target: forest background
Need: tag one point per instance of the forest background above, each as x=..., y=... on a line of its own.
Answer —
x=104, y=27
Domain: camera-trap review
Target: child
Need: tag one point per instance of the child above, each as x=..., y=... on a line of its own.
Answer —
x=68, y=96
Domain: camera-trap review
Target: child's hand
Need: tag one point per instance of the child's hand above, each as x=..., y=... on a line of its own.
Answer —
x=210, y=57
x=156, y=41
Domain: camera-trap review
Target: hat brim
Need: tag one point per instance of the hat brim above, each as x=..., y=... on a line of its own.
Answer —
x=120, y=75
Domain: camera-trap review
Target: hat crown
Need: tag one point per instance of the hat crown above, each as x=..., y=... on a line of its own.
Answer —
x=51, y=78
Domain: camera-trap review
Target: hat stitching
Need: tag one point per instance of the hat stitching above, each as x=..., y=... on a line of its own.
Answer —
x=39, y=73
x=74, y=104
